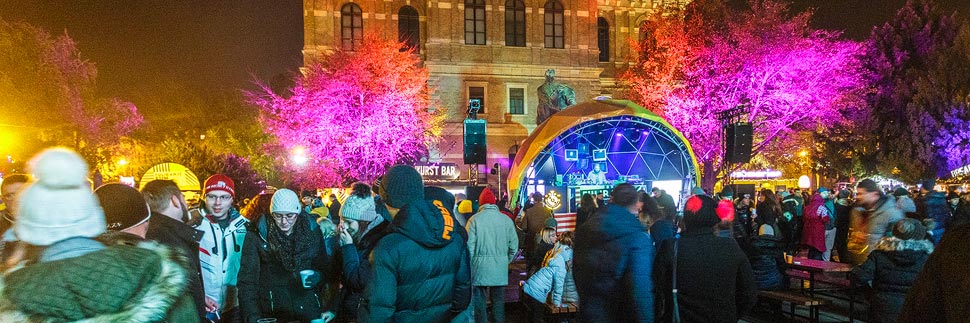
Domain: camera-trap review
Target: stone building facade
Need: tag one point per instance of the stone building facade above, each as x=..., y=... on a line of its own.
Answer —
x=494, y=50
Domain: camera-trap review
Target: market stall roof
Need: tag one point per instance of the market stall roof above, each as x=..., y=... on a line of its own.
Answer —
x=564, y=120
x=181, y=175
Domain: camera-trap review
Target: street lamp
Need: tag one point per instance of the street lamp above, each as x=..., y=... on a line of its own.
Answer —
x=299, y=156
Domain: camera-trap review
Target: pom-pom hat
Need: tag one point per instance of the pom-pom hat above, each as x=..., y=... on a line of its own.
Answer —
x=58, y=204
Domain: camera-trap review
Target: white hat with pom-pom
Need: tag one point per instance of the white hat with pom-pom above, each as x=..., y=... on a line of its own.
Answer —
x=59, y=203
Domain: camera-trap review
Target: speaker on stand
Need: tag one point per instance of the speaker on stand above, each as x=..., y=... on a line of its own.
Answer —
x=738, y=142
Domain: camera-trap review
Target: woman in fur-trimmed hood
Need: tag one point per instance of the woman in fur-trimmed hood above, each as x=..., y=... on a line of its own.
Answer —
x=60, y=273
x=893, y=267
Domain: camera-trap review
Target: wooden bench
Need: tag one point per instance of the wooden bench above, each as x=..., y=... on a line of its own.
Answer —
x=796, y=299
x=566, y=313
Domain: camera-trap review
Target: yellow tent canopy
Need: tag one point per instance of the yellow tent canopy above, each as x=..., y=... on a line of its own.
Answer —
x=562, y=122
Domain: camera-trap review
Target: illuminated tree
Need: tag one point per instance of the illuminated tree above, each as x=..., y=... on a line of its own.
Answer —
x=921, y=63
x=353, y=114
x=48, y=92
x=712, y=57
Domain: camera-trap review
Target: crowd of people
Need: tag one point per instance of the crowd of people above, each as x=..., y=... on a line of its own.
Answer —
x=400, y=251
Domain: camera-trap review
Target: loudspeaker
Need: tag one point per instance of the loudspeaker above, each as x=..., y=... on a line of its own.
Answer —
x=738, y=142
x=472, y=192
x=475, y=144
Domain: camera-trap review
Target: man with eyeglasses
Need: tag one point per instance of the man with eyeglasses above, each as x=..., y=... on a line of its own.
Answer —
x=167, y=226
x=220, y=249
x=9, y=188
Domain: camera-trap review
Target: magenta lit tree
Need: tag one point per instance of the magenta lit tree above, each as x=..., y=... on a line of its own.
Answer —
x=352, y=115
x=710, y=57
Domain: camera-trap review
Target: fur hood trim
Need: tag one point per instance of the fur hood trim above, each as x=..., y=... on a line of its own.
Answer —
x=159, y=298
x=896, y=244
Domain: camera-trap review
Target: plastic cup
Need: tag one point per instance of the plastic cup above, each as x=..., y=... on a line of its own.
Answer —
x=789, y=259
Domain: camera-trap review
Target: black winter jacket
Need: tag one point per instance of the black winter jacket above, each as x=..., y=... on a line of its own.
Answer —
x=613, y=259
x=767, y=262
x=420, y=271
x=714, y=279
x=891, y=270
x=267, y=289
x=939, y=294
x=183, y=239
x=357, y=271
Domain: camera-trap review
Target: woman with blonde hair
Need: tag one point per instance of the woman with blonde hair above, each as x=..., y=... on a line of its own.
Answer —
x=553, y=283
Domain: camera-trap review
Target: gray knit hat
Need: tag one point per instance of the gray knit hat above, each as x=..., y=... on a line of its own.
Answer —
x=401, y=185
x=359, y=208
x=285, y=201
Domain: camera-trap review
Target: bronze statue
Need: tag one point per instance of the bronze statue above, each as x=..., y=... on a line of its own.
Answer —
x=553, y=97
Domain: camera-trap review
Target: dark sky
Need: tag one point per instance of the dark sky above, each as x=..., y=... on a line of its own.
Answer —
x=218, y=45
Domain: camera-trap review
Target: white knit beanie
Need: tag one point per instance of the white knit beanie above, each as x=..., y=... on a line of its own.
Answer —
x=285, y=202
x=359, y=208
x=58, y=204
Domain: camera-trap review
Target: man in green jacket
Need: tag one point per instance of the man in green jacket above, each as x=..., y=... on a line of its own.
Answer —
x=420, y=271
x=492, y=243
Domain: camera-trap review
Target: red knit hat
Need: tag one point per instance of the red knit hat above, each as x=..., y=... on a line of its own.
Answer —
x=486, y=197
x=219, y=182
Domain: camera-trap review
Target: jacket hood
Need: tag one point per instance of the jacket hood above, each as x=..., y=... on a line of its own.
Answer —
x=153, y=305
x=424, y=223
x=904, y=251
x=617, y=222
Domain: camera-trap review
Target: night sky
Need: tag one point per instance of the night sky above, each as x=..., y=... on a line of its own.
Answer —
x=222, y=45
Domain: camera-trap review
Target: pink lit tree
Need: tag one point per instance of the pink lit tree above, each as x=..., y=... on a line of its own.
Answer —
x=712, y=57
x=352, y=115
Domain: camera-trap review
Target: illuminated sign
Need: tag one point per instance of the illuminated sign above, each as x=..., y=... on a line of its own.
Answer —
x=756, y=174
x=440, y=171
x=552, y=200
x=965, y=170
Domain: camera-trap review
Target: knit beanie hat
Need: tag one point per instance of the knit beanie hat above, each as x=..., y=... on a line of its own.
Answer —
x=928, y=184
x=359, y=206
x=285, y=201
x=551, y=223
x=952, y=195
x=765, y=229
x=59, y=203
x=465, y=206
x=727, y=192
x=909, y=229
x=123, y=206
x=900, y=191
x=697, y=191
x=699, y=212
x=402, y=185
x=486, y=197
x=219, y=182
x=434, y=193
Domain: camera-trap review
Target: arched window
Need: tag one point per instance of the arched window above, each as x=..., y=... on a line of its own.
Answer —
x=351, y=26
x=408, y=28
x=514, y=23
x=475, y=22
x=554, y=25
x=603, y=38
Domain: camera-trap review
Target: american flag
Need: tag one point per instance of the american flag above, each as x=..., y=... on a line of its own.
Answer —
x=565, y=222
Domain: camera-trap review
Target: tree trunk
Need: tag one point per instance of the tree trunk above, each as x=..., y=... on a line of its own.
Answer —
x=709, y=175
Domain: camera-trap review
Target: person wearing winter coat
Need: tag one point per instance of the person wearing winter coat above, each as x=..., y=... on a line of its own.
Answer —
x=843, y=211
x=892, y=268
x=283, y=264
x=767, y=260
x=870, y=221
x=553, y=284
x=614, y=242
x=60, y=273
x=220, y=250
x=714, y=278
x=492, y=244
x=544, y=242
x=587, y=208
x=939, y=293
x=361, y=227
x=934, y=206
x=420, y=271
x=903, y=202
x=815, y=217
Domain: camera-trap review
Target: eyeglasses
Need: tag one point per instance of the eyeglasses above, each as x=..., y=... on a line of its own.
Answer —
x=288, y=217
x=218, y=197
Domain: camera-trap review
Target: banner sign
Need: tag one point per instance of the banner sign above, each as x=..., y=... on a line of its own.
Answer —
x=756, y=174
x=965, y=170
x=439, y=171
